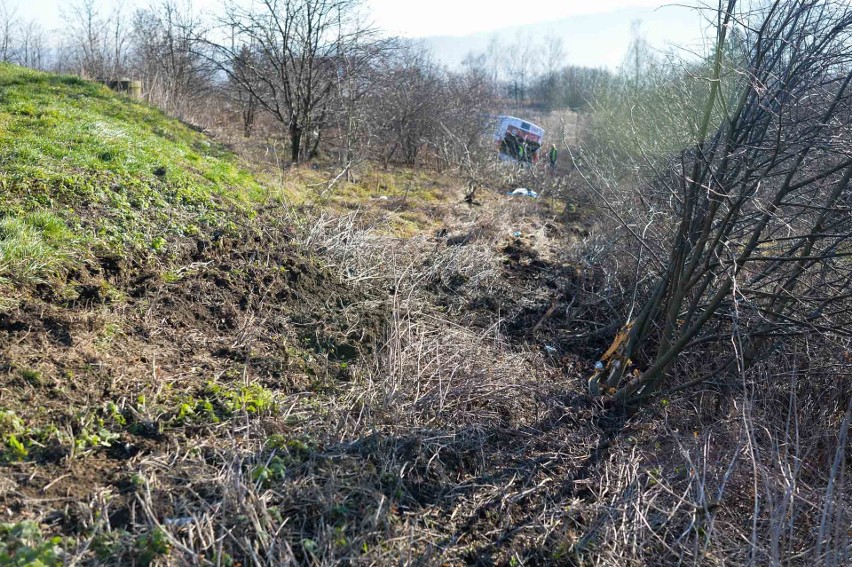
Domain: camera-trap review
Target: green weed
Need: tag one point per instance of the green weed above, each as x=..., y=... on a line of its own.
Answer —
x=216, y=403
x=152, y=545
x=33, y=377
x=272, y=470
x=23, y=544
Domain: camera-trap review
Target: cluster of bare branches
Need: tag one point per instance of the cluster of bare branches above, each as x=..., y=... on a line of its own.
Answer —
x=748, y=231
x=21, y=41
x=164, y=58
x=288, y=56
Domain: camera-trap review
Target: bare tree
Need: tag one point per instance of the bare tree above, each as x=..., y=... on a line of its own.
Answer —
x=546, y=87
x=98, y=44
x=8, y=23
x=571, y=87
x=243, y=98
x=495, y=56
x=520, y=64
x=464, y=139
x=32, y=49
x=406, y=110
x=173, y=73
x=553, y=55
x=297, y=47
x=747, y=232
x=637, y=53
x=361, y=79
x=88, y=34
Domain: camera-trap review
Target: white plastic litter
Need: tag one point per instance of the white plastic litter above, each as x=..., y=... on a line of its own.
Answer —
x=523, y=192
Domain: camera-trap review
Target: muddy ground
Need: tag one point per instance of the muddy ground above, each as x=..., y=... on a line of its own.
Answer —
x=324, y=392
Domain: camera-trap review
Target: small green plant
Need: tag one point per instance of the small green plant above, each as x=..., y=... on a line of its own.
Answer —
x=110, y=545
x=87, y=440
x=11, y=423
x=216, y=403
x=152, y=545
x=14, y=433
x=32, y=376
x=93, y=431
x=137, y=480
x=339, y=534
x=23, y=544
x=18, y=450
x=252, y=399
x=310, y=546
x=274, y=469
x=107, y=335
x=193, y=410
x=158, y=244
x=113, y=413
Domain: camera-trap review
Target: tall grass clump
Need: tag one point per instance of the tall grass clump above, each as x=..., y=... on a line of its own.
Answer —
x=34, y=247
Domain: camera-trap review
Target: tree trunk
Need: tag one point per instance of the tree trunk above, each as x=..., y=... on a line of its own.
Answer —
x=295, y=142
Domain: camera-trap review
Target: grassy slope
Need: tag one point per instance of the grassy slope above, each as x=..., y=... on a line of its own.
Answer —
x=90, y=179
x=83, y=169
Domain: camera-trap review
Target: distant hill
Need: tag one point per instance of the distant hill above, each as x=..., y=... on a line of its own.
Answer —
x=593, y=40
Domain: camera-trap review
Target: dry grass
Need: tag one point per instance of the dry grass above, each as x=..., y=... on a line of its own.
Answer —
x=458, y=439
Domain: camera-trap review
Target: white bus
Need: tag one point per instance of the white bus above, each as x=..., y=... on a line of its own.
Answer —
x=518, y=139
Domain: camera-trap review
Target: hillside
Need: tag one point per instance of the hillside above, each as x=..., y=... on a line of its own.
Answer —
x=189, y=365
x=135, y=259
x=83, y=169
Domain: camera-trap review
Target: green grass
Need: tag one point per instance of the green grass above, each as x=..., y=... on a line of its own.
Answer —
x=82, y=168
x=34, y=245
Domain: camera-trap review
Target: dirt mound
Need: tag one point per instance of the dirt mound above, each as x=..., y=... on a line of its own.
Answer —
x=110, y=361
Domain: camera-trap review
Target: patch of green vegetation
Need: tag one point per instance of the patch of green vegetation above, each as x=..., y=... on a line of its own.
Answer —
x=299, y=448
x=251, y=398
x=18, y=451
x=84, y=168
x=110, y=545
x=273, y=469
x=91, y=430
x=23, y=544
x=193, y=410
x=95, y=431
x=152, y=545
x=15, y=435
x=216, y=403
x=34, y=246
x=30, y=375
x=107, y=335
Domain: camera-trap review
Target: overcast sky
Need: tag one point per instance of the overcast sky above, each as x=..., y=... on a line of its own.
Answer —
x=594, y=41
x=410, y=18
x=464, y=17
